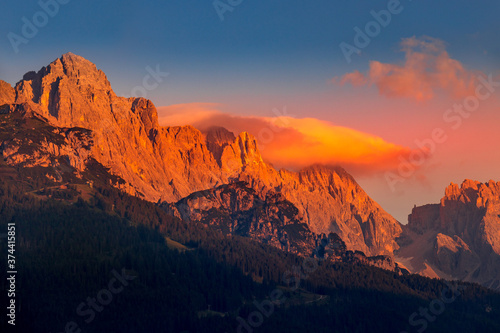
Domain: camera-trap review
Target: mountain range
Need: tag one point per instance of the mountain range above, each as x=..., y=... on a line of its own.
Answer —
x=65, y=122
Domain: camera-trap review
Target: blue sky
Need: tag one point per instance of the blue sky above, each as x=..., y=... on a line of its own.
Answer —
x=294, y=44
x=265, y=55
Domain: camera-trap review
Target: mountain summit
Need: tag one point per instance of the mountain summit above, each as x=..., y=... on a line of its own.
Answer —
x=458, y=238
x=169, y=163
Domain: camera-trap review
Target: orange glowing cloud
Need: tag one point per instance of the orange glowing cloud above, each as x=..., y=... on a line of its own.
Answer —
x=427, y=69
x=186, y=114
x=294, y=143
x=318, y=141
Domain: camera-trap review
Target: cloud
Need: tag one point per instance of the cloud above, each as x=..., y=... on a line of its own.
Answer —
x=185, y=114
x=427, y=69
x=294, y=143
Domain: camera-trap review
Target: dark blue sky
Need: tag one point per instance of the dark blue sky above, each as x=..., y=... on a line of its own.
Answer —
x=260, y=44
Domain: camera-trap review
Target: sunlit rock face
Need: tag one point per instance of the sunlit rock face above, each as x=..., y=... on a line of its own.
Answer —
x=237, y=209
x=167, y=164
x=463, y=234
x=7, y=94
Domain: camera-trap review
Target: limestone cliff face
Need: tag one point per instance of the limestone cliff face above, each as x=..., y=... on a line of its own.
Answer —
x=463, y=231
x=331, y=201
x=473, y=211
x=7, y=93
x=169, y=163
x=328, y=198
x=217, y=139
x=334, y=202
x=34, y=144
x=237, y=209
x=72, y=92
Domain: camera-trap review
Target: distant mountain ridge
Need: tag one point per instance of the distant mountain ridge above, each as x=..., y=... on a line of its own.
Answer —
x=458, y=238
x=167, y=164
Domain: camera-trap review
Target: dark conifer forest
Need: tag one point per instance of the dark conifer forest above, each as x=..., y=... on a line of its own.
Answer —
x=185, y=277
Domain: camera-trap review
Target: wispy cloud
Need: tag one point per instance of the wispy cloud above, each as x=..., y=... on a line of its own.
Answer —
x=427, y=70
x=186, y=114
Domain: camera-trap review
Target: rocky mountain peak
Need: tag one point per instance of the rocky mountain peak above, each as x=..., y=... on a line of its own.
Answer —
x=242, y=154
x=324, y=175
x=75, y=59
x=7, y=95
x=85, y=72
x=217, y=138
x=249, y=150
x=183, y=136
x=219, y=135
x=170, y=163
x=81, y=69
x=465, y=229
x=472, y=184
x=472, y=192
x=71, y=66
x=452, y=190
x=70, y=91
x=146, y=110
x=331, y=201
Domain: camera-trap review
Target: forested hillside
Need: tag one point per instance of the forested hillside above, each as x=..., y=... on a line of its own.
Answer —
x=73, y=240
